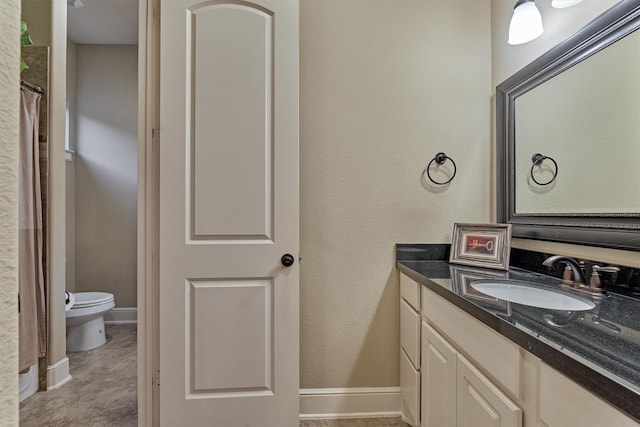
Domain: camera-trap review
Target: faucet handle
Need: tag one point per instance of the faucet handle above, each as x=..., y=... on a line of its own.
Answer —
x=567, y=275
x=595, y=282
x=607, y=269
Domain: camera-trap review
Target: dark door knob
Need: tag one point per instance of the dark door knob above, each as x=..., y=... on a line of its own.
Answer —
x=287, y=260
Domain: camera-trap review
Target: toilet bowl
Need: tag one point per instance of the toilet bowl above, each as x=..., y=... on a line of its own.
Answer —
x=85, y=320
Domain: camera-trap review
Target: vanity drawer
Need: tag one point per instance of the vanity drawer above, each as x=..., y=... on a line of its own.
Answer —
x=410, y=332
x=410, y=291
x=410, y=386
x=478, y=341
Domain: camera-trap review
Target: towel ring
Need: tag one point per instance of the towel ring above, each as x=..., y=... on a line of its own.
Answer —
x=537, y=160
x=440, y=159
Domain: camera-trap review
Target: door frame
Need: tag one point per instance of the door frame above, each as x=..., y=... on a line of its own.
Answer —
x=148, y=351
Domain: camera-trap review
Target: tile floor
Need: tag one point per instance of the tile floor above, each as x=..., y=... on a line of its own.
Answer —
x=103, y=391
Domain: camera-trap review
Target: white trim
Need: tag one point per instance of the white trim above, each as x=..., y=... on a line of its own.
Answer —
x=121, y=315
x=58, y=374
x=365, y=402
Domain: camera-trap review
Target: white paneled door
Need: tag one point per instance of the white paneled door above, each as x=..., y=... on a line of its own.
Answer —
x=229, y=344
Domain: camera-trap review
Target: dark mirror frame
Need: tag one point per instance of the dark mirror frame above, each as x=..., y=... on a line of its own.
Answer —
x=621, y=231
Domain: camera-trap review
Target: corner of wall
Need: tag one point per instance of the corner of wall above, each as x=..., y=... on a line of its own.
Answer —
x=9, y=125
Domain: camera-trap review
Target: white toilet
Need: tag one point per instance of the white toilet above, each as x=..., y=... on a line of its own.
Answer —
x=85, y=320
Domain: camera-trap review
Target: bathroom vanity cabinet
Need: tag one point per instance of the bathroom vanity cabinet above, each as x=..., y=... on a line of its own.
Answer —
x=454, y=390
x=457, y=371
x=410, y=348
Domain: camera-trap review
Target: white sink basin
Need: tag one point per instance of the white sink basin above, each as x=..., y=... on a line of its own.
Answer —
x=529, y=294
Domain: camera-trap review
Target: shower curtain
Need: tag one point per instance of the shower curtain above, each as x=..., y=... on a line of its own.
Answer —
x=31, y=297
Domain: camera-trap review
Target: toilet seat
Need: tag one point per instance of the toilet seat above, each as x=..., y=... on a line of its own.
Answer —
x=91, y=299
x=90, y=303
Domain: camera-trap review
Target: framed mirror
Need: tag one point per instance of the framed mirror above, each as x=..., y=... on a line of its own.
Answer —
x=568, y=129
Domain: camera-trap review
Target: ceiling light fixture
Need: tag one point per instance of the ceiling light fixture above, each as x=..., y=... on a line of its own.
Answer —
x=75, y=3
x=559, y=4
x=526, y=22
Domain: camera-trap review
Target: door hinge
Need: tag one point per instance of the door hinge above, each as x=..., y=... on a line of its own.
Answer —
x=156, y=378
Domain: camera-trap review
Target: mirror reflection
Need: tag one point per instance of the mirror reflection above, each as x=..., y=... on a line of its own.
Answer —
x=587, y=119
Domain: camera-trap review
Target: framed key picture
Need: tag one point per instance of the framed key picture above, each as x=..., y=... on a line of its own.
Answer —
x=481, y=245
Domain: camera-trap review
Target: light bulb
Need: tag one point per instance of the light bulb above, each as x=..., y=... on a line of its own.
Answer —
x=526, y=22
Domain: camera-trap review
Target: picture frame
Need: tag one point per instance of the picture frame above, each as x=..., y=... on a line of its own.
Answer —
x=461, y=279
x=481, y=245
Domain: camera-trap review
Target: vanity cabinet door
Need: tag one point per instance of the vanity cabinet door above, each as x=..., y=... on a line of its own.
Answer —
x=438, y=399
x=563, y=403
x=410, y=390
x=480, y=402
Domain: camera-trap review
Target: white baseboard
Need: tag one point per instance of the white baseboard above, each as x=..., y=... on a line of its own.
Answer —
x=121, y=315
x=319, y=403
x=58, y=374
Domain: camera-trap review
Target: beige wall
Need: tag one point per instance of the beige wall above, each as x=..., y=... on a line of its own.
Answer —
x=384, y=86
x=9, y=111
x=506, y=60
x=106, y=171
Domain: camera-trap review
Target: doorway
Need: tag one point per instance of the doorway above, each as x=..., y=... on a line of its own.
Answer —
x=101, y=176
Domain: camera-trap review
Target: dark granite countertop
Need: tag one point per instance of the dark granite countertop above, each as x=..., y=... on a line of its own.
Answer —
x=598, y=348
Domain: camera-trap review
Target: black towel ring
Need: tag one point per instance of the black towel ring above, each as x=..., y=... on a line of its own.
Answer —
x=440, y=159
x=537, y=160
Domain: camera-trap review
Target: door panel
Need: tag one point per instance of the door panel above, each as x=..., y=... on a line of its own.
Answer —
x=480, y=402
x=438, y=379
x=229, y=345
x=230, y=57
x=232, y=337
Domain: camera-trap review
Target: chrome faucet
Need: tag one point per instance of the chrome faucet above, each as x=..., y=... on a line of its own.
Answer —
x=576, y=269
